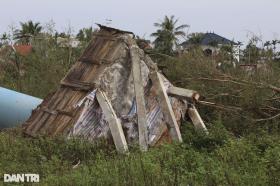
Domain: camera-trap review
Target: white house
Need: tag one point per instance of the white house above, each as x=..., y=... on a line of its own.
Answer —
x=211, y=43
x=68, y=42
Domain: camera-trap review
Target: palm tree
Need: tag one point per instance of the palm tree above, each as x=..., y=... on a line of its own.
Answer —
x=274, y=43
x=195, y=38
x=4, y=38
x=167, y=35
x=267, y=44
x=28, y=30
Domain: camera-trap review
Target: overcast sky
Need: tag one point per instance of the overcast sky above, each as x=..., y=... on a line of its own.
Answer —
x=233, y=19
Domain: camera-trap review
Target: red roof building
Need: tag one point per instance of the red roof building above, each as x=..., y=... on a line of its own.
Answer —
x=23, y=50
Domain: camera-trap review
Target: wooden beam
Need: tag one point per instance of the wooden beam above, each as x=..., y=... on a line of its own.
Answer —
x=83, y=86
x=166, y=107
x=183, y=93
x=113, y=121
x=196, y=119
x=140, y=100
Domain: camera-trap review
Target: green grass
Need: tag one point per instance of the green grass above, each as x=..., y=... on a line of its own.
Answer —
x=216, y=159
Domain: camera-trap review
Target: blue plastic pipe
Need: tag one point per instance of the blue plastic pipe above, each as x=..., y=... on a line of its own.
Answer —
x=15, y=107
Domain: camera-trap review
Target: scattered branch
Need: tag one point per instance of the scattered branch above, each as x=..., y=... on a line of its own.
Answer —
x=270, y=118
x=222, y=107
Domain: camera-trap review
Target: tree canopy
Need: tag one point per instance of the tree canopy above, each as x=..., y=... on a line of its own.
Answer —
x=28, y=29
x=167, y=35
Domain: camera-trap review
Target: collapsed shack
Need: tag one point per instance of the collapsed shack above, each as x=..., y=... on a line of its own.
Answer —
x=115, y=91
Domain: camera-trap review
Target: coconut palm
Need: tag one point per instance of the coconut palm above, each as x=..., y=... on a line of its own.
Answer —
x=195, y=38
x=267, y=44
x=28, y=30
x=4, y=38
x=274, y=43
x=167, y=35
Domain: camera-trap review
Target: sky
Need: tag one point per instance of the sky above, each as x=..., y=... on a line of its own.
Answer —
x=233, y=19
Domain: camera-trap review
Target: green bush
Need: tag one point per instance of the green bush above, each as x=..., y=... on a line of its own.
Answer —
x=217, y=159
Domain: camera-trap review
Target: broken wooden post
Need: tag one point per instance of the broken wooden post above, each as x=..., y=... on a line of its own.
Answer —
x=140, y=100
x=113, y=121
x=166, y=107
x=183, y=93
x=196, y=119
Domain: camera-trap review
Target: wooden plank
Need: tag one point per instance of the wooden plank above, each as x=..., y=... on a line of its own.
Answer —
x=45, y=109
x=39, y=122
x=100, y=48
x=140, y=100
x=166, y=107
x=113, y=121
x=49, y=122
x=183, y=93
x=77, y=71
x=107, y=36
x=83, y=86
x=97, y=61
x=196, y=119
